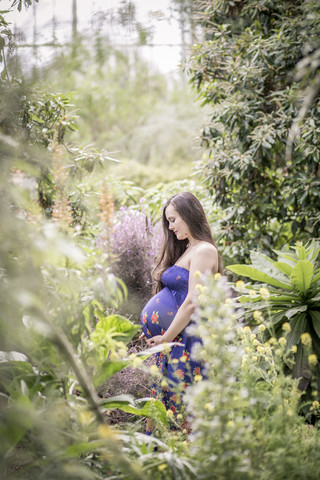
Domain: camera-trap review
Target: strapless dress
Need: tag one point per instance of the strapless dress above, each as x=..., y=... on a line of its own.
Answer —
x=177, y=367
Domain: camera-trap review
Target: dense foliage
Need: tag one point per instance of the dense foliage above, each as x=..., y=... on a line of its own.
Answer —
x=244, y=70
x=291, y=302
x=246, y=412
x=75, y=241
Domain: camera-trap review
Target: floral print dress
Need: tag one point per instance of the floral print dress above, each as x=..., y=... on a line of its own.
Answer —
x=176, y=367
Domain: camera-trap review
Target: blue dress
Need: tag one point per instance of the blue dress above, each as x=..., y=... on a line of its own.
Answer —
x=176, y=367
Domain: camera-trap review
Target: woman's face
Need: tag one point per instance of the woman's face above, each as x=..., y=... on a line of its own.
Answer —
x=176, y=223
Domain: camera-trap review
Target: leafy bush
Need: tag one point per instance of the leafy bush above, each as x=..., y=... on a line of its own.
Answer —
x=292, y=299
x=246, y=420
x=243, y=70
x=55, y=283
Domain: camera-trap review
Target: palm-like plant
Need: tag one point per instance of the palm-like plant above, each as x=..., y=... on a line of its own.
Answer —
x=293, y=296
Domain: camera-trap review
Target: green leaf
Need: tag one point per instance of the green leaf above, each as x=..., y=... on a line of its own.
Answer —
x=114, y=326
x=278, y=318
x=254, y=274
x=283, y=267
x=293, y=311
x=316, y=278
x=298, y=325
x=301, y=275
x=315, y=315
x=301, y=251
x=77, y=449
x=14, y=426
x=260, y=260
x=301, y=367
x=109, y=368
x=147, y=407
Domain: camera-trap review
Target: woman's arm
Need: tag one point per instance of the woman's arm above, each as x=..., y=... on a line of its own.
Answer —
x=204, y=258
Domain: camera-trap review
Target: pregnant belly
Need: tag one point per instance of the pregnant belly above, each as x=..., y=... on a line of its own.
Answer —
x=158, y=313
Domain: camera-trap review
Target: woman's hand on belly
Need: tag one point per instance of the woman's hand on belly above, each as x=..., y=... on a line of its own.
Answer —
x=154, y=341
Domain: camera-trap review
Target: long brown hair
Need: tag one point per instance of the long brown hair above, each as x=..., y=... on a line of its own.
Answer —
x=191, y=211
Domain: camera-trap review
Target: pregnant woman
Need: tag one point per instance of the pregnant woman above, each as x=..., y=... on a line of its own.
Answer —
x=187, y=248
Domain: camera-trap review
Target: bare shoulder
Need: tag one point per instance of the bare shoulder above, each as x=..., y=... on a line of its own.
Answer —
x=204, y=257
x=205, y=249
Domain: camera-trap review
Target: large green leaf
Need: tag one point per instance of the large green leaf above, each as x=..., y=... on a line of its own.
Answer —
x=278, y=318
x=301, y=367
x=261, y=261
x=147, y=407
x=15, y=424
x=80, y=448
x=254, y=274
x=315, y=315
x=298, y=325
x=293, y=311
x=114, y=326
x=283, y=267
x=301, y=251
x=301, y=275
x=109, y=368
x=316, y=278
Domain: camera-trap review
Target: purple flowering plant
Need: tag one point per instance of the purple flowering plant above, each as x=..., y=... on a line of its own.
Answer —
x=135, y=243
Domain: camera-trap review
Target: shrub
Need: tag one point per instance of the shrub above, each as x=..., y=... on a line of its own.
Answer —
x=291, y=301
x=134, y=242
x=245, y=413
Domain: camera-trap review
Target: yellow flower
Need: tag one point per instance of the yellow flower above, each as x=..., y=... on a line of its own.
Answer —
x=273, y=341
x=306, y=339
x=282, y=341
x=254, y=358
x=217, y=276
x=264, y=292
x=315, y=405
x=197, y=274
x=174, y=360
x=286, y=327
x=230, y=423
x=262, y=328
x=169, y=413
x=313, y=360
x=294, y=349
x=252, y=293
x=260, y=349
x=257, y=316
x=199, y=288
x=164, y=383
x=197, y=378
x=179, y=416
x=256, y=342
x=240, y=284
x=163, y=466
x=209, y=407
x=228, y=301
x=247, y=329
x=244, y=359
